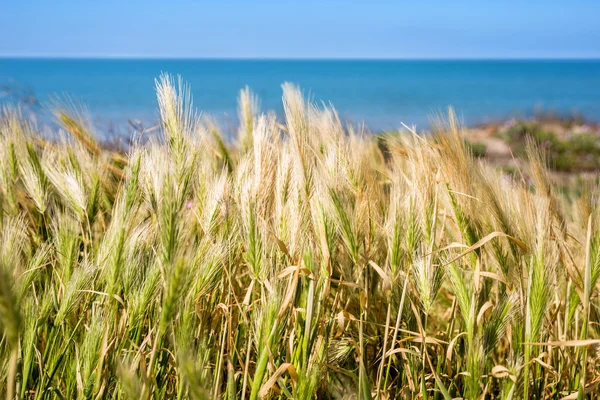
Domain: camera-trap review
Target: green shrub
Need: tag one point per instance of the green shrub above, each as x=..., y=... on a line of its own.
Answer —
x=477, y=149
x=580, y=152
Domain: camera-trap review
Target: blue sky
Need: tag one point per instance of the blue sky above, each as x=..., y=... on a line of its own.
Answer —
x=301, y=29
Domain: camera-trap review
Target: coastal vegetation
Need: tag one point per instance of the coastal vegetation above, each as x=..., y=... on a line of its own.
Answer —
x=299, y=259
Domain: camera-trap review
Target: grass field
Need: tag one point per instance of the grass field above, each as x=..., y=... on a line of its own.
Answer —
x=302, y=260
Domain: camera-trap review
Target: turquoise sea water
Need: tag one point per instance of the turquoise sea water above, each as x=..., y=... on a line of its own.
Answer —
x=381, y=93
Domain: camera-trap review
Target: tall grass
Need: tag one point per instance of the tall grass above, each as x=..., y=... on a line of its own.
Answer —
x=298, y=260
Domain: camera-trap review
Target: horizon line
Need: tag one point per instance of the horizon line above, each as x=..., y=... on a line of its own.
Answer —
x=178, y=58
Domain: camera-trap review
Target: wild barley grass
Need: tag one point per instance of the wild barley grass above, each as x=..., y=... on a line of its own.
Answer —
x=296, y=260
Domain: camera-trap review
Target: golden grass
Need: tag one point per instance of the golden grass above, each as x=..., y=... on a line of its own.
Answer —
x=304, y=260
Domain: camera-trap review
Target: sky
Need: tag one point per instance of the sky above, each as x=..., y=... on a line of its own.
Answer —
x=300, y=29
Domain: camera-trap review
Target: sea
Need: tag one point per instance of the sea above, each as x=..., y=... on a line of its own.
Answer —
x=377, y=94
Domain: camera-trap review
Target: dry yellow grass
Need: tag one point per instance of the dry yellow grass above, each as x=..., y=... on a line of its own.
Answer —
x=304, y=260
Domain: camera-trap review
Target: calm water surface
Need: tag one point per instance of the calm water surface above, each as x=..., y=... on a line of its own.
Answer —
x=381, y=93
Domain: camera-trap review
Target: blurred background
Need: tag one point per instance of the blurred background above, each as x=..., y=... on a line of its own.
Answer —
x=382, y=63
